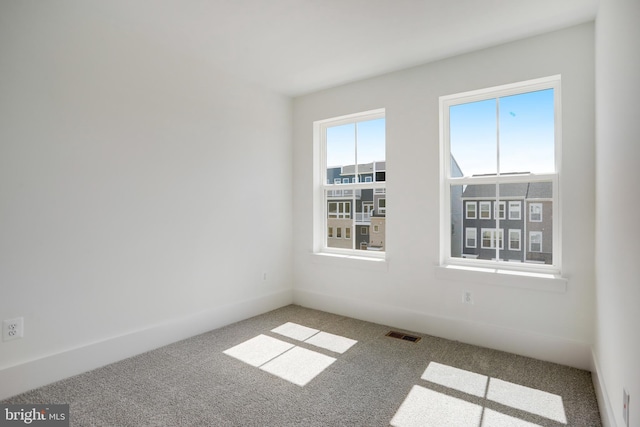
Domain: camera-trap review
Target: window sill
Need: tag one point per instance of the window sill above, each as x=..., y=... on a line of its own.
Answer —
x=500, y=277
x=352, y=261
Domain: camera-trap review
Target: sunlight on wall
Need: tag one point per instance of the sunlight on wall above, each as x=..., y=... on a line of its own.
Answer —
x=427, y=407
x=295, y=364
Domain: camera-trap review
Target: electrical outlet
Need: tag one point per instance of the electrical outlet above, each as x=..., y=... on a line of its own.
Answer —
x=625, y=406
x=12, y=329
x=467, y=297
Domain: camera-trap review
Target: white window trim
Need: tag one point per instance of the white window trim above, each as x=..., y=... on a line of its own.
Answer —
x=475, y=237
x=446, y=181
x=488, y=210
x=475, y=210
x=320, y=247
x=531, y=234
x=519, y=210
x=519, y=239
x=495, y=238
x=496, y=209
x=531, y=205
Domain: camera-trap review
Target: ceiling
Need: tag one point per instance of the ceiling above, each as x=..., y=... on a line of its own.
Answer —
x=300, y=46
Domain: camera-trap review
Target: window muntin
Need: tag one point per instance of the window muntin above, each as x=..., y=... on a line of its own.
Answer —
x=351, y=161
x=505, y=145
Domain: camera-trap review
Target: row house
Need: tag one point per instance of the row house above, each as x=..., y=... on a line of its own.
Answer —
x=519, y=223
x=356, y=218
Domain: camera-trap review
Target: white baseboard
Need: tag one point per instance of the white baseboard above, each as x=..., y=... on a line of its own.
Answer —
x=45, y=370
x=604, y=404
x=539, y=346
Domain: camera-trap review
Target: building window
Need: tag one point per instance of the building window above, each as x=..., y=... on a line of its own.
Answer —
x=499, y=210
x=471, y=237
x=470, y=209
x=514, y=240
x=485, y=210
x=514, y=210
x=376, y=228
x=492, y=238
x=535, y=212
x=500, y=147
x=350, y=156
x=339, y=210
x=535, y=241
x=330, y=232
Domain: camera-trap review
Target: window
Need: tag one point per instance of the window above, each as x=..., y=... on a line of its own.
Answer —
x=330, y=232
x=514, y=240
x=339, y=209
x=376, y=228
x=501, y=147
x=471, y=210
x=500, y=210
x=492, y=238
x=350, y=161
x=535, y=241
x=514, y=210
x=471, y=238
x=485, y=210
x=535, y=212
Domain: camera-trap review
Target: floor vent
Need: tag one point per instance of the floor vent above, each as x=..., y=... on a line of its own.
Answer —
x=401, y=336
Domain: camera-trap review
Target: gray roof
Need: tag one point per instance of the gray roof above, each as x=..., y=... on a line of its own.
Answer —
x=363, y=168
x=525, y=190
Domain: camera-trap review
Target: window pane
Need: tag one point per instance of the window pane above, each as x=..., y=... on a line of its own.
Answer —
x=527, y=134
x=473, y=137
x=341, y=151
x=371, y=150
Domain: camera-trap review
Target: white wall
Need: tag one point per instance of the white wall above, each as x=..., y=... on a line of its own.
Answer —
x=410, y=293
x=617, y=340
x=140, y=192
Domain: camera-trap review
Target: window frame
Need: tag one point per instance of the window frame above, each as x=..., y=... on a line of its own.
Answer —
x=519, y=231
x=519, y=210
x=475, y=237
x=448, y=181
x=475, y=209
x=531, y=206
x=320, y=203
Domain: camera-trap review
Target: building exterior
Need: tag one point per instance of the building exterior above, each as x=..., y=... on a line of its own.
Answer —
x=517, y=226
x=356, y=218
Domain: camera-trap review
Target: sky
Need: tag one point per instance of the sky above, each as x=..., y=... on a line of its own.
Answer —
x=341, y=143
x=526, y=134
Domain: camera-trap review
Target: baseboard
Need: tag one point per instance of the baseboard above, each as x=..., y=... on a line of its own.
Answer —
x=539, y=346
x=604, y=404
x=45, y=370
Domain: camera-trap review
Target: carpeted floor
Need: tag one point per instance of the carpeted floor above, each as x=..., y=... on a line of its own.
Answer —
x=320, y=369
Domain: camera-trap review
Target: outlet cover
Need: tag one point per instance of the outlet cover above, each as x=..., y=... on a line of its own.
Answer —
x=12, y=329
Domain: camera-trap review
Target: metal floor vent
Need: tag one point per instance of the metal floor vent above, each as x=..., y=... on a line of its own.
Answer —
x=401, y=336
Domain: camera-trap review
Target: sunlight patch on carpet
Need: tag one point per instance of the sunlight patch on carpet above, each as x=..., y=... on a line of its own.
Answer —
x=458, y=379
x=295, y=331
x=427, y=408
x=259, y=350
x=492, y=418
x=527, y=399
x=335, y=343
x=298, y=365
